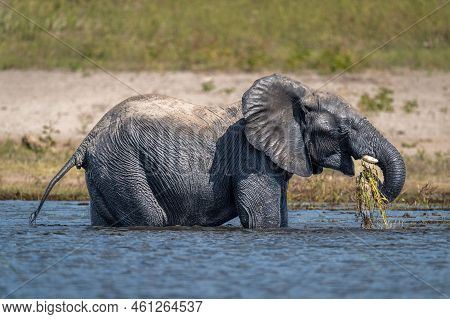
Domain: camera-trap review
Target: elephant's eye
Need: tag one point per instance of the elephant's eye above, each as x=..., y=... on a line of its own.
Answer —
x=330, y=134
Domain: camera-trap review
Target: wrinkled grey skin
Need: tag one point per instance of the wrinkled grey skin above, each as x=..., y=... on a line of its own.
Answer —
x=158, y=161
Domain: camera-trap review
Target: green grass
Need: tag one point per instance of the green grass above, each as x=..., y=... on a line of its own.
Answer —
x=224, y=35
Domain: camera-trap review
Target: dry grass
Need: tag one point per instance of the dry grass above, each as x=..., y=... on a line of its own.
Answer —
x=25, y=172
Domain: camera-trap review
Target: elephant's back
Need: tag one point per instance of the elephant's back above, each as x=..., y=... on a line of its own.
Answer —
x=169, y=132
x=169, y=135
x=164, y=109
x=153, y=117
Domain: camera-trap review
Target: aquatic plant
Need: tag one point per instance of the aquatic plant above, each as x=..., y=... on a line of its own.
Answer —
x=369, y=198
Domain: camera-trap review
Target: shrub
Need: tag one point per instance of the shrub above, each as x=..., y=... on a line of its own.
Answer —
x=381, y=102
x=410, y=106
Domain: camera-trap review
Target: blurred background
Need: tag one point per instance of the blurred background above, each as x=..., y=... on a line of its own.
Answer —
x=63, y=64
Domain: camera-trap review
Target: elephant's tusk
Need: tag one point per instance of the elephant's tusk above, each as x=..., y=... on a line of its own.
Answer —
x=369, y=159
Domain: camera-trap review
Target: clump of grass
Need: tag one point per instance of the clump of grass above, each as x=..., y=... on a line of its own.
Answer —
x=410, y=106
x=381, y=102
x=369, y=198
x=228, y=90
x=43, y=142
x=424, y=195
x=47, y=136
x=409, y=145
x=208, y=85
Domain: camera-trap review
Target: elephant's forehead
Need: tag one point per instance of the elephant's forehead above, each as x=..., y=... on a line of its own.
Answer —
x=331, y=101
x=336, y=105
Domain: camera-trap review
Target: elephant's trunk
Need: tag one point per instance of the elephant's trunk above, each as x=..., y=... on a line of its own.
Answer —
x=370, y=142
x=394, y=172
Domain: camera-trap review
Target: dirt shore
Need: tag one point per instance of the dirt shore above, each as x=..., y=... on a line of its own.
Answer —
x=73, y=102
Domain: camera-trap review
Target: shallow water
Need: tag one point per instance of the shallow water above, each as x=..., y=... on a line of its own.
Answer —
x=323, y=254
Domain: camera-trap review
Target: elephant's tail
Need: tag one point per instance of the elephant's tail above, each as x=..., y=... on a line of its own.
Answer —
x=77, y=159
x=70, y=163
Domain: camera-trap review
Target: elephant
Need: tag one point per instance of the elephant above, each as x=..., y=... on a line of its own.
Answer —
x=154, y=160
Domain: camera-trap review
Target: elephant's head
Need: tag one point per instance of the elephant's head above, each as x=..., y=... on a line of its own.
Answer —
x=302, y=131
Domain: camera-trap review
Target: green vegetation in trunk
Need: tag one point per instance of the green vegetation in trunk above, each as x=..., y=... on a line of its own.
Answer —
x=369, y=197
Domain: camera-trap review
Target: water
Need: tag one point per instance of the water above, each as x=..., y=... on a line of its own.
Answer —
x=323, y=254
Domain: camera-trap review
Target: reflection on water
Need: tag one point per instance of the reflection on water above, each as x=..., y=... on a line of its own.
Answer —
x=323, y=254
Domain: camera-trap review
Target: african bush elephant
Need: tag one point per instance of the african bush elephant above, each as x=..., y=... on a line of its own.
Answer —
x=158, y=161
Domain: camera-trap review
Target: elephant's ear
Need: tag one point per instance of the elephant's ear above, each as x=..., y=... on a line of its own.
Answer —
x=274, y=111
